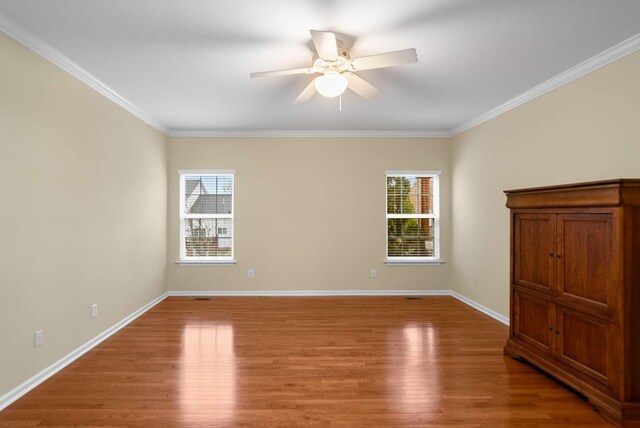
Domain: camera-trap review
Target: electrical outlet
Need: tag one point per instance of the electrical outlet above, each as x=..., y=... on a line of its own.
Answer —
x=39, y=338
x=94, y=310
x=250, y=273
x=374, y=274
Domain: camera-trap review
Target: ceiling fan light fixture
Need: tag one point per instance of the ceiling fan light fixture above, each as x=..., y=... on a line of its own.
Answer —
x=331, y=84
x=337, y=68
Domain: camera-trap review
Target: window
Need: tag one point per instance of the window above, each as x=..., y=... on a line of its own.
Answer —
x=413, y=218
x=206, y=215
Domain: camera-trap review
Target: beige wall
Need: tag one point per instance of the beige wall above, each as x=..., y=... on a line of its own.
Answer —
x=310, y=212
x=586, y=130
x=83, y=217
x=86, y=187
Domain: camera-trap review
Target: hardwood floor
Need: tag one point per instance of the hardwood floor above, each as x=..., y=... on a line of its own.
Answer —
x=339, y=361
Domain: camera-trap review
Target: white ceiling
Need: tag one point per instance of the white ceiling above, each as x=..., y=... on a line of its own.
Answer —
x=186, y=63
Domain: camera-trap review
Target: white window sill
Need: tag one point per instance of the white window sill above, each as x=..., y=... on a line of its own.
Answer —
x=413, y=262
x=205, y=262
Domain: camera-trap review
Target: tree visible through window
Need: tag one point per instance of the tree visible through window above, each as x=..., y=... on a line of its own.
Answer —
x=206, y=215
x=412, y=215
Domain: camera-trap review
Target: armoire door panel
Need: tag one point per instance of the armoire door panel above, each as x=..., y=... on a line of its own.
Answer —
x=534, y=251
x=584, y=256
x=583, y=343
x=533, y=320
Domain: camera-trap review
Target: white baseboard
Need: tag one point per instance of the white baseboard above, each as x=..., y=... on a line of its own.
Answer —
x=45, y=374
x=493, y=314
x=309, y=293
x=54, y=368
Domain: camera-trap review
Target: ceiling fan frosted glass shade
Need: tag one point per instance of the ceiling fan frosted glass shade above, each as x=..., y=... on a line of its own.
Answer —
x=331, y=84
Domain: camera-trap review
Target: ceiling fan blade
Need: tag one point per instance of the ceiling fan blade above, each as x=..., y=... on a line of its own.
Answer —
x=361, y=86
x=307, y=93
x=389, y=59
x=305, y=70
x=326, y=44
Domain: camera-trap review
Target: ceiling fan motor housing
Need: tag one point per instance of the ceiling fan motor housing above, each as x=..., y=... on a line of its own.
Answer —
x=341, y=64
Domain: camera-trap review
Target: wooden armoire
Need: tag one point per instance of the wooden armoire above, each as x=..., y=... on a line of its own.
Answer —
x=575, y=289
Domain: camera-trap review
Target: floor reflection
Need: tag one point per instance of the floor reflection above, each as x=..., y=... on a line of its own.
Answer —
x=208, y=373
x=415, y=369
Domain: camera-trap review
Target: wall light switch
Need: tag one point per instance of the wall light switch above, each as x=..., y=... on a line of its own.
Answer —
x=39, y=338
x=94, y=310
x=374, y=274
x=250, y=273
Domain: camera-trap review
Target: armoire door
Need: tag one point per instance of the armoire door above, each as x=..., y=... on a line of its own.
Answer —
x=583, y=343
x=585, y=259
x=534, y=251
x=534, y=319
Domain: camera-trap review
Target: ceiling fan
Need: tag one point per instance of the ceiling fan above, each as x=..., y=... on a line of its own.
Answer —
x=337, y=68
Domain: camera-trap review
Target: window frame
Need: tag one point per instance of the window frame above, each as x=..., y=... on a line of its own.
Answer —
x=183, y=258
x=435, y=176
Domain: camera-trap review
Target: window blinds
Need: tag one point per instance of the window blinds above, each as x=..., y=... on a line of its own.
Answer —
x=206, y=216
x=412, y=217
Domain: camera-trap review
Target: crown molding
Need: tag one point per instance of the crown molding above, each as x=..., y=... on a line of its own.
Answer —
x=608, y=56
x=306, y=133
x=42, y=48
x=36, y=44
